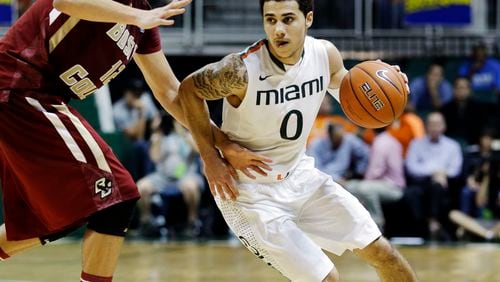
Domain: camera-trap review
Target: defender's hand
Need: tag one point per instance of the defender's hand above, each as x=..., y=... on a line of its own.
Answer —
x=245, y=160
x=160, y=16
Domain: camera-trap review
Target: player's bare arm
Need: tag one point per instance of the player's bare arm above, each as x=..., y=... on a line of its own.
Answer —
x=337, y=69
x=214, y=81
x=229, y=79
x=115, y=12
x=225, y=78
x=162, y=81
x=164, y=85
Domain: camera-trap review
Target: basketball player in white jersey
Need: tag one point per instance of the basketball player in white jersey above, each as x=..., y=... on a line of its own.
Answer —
x=272, y=92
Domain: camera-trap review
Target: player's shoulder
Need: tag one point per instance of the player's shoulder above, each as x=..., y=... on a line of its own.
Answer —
x=334, y=56
x=330, y=48
x=232, y=57
x=221, y=79
x=233, y=61
x=229, y=63
x=253, y=49
x=326, y=43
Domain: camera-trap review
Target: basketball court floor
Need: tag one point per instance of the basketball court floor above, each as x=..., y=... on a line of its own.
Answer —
x=227, y=261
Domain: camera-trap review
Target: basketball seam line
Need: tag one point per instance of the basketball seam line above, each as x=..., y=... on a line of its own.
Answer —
x=359, y=102
x=383, y=92
x=399, y=82
x=392, y=83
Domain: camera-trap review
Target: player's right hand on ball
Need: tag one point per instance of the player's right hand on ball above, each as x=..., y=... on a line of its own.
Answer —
x=245, y=160
x=161, y=16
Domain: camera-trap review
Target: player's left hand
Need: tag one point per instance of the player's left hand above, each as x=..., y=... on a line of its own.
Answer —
x=403, y=75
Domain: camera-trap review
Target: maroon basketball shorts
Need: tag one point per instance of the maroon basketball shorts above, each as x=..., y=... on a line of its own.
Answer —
x=55, y=169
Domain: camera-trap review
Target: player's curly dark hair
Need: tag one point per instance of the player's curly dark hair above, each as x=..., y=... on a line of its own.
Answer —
x=305, y=6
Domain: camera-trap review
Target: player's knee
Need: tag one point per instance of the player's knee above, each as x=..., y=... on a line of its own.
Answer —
x=333, y=276
x=56, y=236
x=113, y=220
x=380, y=253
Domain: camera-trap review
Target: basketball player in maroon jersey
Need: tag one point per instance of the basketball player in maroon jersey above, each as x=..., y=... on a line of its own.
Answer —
x=57, y=173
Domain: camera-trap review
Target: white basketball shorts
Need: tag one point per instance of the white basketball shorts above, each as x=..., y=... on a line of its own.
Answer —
x=287, y=224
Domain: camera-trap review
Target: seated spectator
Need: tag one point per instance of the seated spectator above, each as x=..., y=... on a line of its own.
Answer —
x=464, y=116
x=486, y=223
x=132, y=114
x=175, y=168
x=384, y=179
x=430, y=92
x=342, y=155
x=432, y=162
x=409, y=126
x=483, y=72
x=477, y=162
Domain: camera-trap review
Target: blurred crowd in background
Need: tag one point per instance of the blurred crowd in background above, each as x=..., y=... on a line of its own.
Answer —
x=441, y=157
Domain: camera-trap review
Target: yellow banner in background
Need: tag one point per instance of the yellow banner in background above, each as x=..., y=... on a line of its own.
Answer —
x=7, y=2
x=420, y=5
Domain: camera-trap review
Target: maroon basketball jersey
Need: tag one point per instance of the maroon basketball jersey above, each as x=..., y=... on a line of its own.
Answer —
x=50, y=52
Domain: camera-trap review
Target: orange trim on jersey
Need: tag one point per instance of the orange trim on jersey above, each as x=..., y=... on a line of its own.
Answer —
x=253, y=49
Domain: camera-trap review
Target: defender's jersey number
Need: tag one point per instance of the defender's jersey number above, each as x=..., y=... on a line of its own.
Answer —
x=76, y=77
x=299, y=125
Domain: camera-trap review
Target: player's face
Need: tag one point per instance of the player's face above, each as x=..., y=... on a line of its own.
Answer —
x=286, y=28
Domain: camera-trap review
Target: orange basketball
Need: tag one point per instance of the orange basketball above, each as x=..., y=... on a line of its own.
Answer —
x=373, y=94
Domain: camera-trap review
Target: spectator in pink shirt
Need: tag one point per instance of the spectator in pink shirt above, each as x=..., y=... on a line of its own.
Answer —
x=384, y=178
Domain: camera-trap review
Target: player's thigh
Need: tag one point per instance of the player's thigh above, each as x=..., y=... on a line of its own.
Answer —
x=277, y=241
x=336, y=220
x=59, y=170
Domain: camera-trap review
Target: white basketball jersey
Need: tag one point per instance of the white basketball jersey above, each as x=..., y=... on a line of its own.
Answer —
x=280, y=106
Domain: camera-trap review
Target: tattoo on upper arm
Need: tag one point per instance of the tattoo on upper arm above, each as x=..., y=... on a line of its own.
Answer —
x=221, y=79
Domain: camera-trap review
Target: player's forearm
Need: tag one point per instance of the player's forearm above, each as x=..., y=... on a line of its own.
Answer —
x=171, y=103
x=197, y=119
x=174, y=107
x=99, y=10
x=220, y=137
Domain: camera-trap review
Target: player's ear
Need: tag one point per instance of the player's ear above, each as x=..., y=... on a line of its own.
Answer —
x=309, y=19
